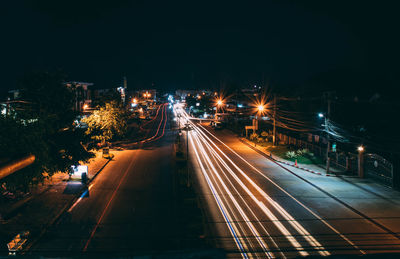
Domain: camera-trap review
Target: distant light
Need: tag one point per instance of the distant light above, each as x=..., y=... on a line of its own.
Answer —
x=219, y=102
x=240, y=105
x=85, y=106
x=360, y=149
x=321, y=115
x=197, y=104
x=260, y=108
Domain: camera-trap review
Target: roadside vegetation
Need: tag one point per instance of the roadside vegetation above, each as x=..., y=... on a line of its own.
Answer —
x=106, y=123
x=287, y=152
x=41, y=124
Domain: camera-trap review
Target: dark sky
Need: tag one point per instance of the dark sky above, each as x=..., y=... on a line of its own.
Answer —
x=200, y=44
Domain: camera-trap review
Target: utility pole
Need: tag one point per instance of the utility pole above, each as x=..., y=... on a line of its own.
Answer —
x=328, y=99
x=274, y=128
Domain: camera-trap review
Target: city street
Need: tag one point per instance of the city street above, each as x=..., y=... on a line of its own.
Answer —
x=129, y=208
x=259, y=209
x=200, y=130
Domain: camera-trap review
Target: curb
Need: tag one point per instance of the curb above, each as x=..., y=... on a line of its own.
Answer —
x=284, y=162
x=62, y=211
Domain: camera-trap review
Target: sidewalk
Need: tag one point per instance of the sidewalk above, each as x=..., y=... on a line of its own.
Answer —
x=311, y=168
x=44, y=204
x=378, y=204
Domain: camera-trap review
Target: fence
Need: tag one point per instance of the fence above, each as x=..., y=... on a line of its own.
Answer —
x=378, y=168
x=375, y=166
x=342, y=160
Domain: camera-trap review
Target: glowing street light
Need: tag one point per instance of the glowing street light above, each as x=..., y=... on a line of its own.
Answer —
x=260, y=108
x=85, y=106
x=360, y=161
x=146, y=95
x=219, y=102
x=320, y=115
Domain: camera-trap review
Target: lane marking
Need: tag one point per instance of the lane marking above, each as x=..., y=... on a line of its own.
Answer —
x=80, y=198
x=108, y=204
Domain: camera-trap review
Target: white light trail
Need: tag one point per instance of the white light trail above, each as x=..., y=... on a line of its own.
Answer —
x=287, y=193
x=232, y=197
x=221, y=206
x=266, y=211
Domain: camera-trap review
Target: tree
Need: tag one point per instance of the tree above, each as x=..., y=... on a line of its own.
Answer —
x=106, y=122
x=42, y=127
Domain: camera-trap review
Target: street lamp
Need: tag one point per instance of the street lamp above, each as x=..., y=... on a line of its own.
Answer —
x=220, y=102
x=326, y=128
x=360, y=161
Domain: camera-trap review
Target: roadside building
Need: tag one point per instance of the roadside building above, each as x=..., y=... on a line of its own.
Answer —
x=82, y=95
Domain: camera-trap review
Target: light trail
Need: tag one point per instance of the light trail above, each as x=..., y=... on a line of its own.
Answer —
x=311, y=240
x=288, y=194
x=266, y=211
x=236, y=204
x=155, y=117
x=163, y=131
x=207, y=147
x=221, y=207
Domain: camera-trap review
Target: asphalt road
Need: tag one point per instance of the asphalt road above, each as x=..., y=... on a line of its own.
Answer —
x=130, y=207
x=257, y=209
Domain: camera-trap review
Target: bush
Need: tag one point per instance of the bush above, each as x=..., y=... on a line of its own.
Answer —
x=291, y=154
x=302, y=152
x=253, y=136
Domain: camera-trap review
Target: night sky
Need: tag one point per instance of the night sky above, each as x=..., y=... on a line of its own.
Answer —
x=283, y=44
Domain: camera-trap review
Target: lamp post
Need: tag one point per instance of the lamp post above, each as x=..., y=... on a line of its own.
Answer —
x=187, y=129
x=326, y=121
x=360, y=150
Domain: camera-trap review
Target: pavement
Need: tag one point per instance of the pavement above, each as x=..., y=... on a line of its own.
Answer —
x=260, y=208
